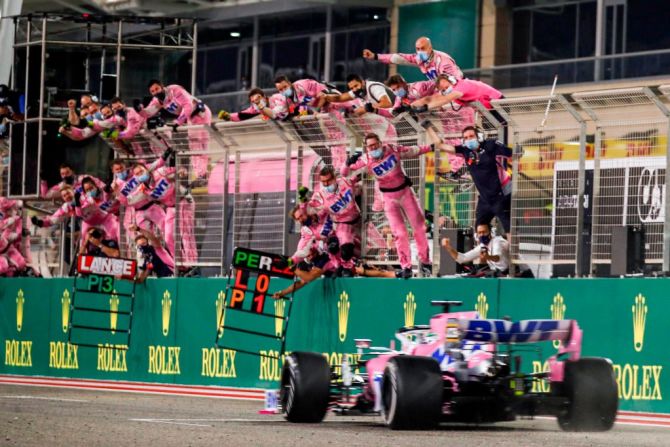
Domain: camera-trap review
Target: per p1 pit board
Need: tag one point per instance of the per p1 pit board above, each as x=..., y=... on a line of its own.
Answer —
x=248, y=315
x=102, y=302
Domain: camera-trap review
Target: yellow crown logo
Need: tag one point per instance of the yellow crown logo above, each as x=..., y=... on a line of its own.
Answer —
x=166, y=303
x=557, y=313
x=65, y=309
x=220, y=312
x=280, y=307
x=19, y=310
x=482, y=306
x=114, y=308
x=639, y=321
x=410, y=309
x=343, y=306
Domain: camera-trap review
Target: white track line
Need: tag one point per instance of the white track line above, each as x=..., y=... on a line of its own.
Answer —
x=161, y=421
x=58, y=399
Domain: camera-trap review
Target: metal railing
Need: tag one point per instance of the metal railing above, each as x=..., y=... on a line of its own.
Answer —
x=598, y=163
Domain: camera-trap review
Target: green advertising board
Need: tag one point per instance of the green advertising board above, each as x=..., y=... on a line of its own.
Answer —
x=175, y=324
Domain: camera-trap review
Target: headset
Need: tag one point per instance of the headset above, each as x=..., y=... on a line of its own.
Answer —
x=480, y=136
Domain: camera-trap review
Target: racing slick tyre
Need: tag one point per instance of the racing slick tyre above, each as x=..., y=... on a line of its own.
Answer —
x=305, y=387
x=412, y=393
x=591, y=389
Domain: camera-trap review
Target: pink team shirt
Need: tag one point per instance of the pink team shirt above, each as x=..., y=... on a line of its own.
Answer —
x=476, y=91
x=341, y=205
x=276, y=103
x=178, y=102
x=439, y=63
x=388, y=169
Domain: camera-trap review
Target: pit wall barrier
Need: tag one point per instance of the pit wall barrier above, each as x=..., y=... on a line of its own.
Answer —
x=175, y=324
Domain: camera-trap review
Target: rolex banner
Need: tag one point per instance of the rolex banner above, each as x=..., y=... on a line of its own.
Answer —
x=176, y=321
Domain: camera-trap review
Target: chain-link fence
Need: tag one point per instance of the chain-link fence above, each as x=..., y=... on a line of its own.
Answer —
x=583, y=165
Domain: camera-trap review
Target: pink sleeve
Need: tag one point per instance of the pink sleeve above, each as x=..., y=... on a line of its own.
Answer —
x=185, y=101
x=109, y=123
x=251, y=110
x=153, y=108
x=398, y=58
x=165, y=257
x=78, y=134
x=302, y=251
x=413, y=151
x=157, y=163
x=361, y=162
x=386, y=112
x=59, y=216
x=134, y=123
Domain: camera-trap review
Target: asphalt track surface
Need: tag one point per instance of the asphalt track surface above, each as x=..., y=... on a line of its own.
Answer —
x=40, y=416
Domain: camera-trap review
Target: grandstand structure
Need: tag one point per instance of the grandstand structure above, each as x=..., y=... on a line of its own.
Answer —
x=598, y=163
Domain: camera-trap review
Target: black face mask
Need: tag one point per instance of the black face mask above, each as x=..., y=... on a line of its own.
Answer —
x=308, y=222
x=146, y=249
x=121, y=113
x=360, y=93
x=69, y=180
x=160, y=96
x=485, y=239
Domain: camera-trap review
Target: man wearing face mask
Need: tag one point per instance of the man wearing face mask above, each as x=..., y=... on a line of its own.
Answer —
x=384, y=162
x=491, y=251
x=313, y=231
x=188, y=110
x=135, y=192
x=377, y=97
x=337, y=199
x=484, y=159
x=68, y=178
x=307, y=96
x=431, y=62
x=95, y=209
x=408, y=92
x=126, y=119
x=274, y=107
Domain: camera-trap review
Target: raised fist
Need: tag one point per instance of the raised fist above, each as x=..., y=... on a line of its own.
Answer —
x=367, y=54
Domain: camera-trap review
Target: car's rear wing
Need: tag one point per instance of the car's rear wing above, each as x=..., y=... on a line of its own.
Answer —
x=504, y=331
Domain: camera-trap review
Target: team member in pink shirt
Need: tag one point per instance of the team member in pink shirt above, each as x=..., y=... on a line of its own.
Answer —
x=384, y=162
x=189, y=110
x=337, y=199
x=461, y=91
x=431, y=62
x=275, y=107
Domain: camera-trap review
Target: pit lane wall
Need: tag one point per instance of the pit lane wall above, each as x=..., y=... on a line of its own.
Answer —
x=175, y=322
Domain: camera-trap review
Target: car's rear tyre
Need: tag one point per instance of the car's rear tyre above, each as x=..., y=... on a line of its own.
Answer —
x=412, y=393
x=305, y=387
x=590, y=386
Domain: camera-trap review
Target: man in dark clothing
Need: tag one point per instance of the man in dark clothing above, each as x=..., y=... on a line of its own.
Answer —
x=96, y=245
x=486, y=160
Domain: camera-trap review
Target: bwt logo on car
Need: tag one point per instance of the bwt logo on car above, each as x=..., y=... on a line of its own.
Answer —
x=385, y=166
x=518, y=331
x=342, y=203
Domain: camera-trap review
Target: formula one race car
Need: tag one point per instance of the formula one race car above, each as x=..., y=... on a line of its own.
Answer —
x=460, y=368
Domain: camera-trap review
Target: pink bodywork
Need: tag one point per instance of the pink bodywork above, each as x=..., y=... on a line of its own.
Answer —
x=438, y=326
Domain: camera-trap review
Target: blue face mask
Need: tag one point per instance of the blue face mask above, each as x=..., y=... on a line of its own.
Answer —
x=330, y=188
x=422, y=55
x=143, y=178
x=447, y=90
x=5, y=161
x=122, y=175
x=377, y=153
x=92, y=194
x=484, y=240
x=473, y=145
x=401, y=92
x=288, y=93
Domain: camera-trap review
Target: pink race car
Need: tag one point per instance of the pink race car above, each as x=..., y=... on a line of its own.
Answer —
x=460, y=368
